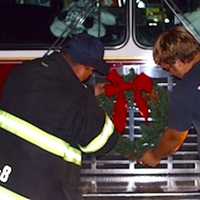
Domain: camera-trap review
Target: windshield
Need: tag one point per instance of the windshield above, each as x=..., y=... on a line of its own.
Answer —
x=36, y=24
x=188, y=13
x=152, y=17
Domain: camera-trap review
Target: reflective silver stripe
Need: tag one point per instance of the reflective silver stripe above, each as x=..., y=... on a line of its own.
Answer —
x=101, y=139
x=39, y=137
x=6, y=194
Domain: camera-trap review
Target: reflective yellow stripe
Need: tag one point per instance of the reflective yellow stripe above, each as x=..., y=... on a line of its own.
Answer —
x=39, y=137
x=101, y=139
x=6, y=194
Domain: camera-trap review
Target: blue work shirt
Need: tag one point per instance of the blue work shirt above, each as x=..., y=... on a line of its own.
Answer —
x=184, y=107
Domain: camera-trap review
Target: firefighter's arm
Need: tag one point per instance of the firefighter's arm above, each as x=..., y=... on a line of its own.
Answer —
x=170, y=142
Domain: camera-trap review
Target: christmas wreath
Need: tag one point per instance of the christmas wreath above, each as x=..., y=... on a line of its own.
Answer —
x=130, y=91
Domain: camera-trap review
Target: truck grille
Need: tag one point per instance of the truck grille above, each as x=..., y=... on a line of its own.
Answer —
x=114, y=177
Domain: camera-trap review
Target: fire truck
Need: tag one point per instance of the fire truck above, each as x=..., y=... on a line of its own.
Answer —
x=128, y=28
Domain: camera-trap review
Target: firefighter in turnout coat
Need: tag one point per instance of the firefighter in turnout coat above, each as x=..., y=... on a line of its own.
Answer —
x=48, y=120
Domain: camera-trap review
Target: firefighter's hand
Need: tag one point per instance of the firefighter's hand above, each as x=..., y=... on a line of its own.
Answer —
x=150, y=159
x=99, y=89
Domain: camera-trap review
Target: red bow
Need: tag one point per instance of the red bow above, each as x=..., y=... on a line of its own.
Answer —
x=117, y=87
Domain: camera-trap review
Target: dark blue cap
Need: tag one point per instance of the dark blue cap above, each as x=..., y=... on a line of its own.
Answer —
x=87, y=50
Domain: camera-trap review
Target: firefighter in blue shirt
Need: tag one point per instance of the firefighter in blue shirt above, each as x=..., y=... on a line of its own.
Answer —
x=48, y=119
x=178, y=52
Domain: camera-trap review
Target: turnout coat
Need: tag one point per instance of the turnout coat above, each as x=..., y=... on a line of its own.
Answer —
x=51, y=98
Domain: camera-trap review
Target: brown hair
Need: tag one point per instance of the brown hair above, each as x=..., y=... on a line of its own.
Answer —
x=176, y=43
